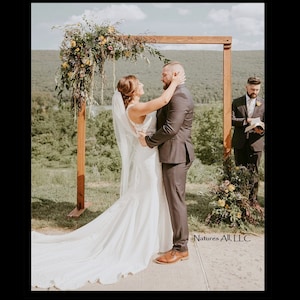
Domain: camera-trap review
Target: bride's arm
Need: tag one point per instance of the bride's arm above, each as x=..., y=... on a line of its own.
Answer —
x=144, y=108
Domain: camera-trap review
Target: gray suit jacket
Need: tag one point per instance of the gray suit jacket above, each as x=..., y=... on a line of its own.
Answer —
x=239, y=116
x=174, y=124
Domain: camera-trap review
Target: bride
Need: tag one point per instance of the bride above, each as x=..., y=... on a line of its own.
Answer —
x=123, y=239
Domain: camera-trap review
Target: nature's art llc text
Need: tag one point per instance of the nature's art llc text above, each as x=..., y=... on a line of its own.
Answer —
x=223, y=238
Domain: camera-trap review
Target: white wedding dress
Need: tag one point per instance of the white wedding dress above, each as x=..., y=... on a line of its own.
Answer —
x=120, y=241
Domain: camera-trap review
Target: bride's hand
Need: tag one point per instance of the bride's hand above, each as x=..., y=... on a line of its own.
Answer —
x=179, y=77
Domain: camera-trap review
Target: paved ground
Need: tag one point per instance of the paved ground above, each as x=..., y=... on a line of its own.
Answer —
x=218, y=262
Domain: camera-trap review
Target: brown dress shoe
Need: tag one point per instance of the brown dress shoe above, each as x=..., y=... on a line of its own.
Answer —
x=172, y=256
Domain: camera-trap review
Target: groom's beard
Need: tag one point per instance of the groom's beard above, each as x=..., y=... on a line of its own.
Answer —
x=166, y=85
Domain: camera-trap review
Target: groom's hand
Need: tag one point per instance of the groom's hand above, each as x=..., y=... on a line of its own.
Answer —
x=142, y=138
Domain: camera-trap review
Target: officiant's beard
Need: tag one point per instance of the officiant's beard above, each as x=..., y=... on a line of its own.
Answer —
x=252, y=95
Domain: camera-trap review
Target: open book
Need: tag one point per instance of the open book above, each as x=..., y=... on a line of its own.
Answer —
x=255, y=122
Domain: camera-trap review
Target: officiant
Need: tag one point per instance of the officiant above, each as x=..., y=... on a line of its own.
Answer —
x=248, y=139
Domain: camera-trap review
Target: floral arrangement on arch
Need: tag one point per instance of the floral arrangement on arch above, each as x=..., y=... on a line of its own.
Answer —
x=84, y=50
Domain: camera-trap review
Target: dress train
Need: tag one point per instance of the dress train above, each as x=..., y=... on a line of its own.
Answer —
x=120, y=241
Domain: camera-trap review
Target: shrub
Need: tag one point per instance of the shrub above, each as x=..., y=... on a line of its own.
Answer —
x=207, y=135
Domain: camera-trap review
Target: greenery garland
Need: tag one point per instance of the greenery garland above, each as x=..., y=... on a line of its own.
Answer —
x=86, y=47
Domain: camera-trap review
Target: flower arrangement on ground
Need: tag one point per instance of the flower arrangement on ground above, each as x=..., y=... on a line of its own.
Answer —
x=230, y=199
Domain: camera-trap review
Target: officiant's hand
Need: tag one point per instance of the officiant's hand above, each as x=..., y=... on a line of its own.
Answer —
x=258, y=130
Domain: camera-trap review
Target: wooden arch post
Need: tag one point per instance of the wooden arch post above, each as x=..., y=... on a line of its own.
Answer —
x=226, y=41
x=81, y=204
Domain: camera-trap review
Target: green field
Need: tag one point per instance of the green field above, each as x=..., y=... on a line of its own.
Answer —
x=204, y=72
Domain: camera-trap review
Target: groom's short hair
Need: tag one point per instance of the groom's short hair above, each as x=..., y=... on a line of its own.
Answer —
x=172, y=63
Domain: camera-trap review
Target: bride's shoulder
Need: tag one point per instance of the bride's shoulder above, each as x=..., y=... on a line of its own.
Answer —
x=129, y=107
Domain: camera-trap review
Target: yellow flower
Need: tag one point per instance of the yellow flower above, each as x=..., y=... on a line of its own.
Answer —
x=73, y=43
x=111, y=29
x=258, y=103
x=231, y=187
x=65, y=65
x=103, y=41
x=221, y=202
x=127, y=53
x=239, y=215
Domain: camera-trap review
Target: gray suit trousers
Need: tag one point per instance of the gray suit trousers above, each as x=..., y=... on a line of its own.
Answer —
x=174, y=177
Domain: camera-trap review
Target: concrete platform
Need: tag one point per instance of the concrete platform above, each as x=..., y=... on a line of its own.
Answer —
x=217, y=262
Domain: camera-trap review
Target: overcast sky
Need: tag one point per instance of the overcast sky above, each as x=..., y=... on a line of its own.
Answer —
x=244, y=22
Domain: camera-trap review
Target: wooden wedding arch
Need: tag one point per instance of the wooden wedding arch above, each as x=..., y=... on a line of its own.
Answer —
x=226, y=41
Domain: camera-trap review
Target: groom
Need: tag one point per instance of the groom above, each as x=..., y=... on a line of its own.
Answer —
x=176, y=153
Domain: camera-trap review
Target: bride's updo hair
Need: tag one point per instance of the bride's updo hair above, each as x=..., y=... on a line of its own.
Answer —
x=127, y=86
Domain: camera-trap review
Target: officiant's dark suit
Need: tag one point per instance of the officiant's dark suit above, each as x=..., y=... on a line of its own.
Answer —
x=176, y=152
x=249, y=146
